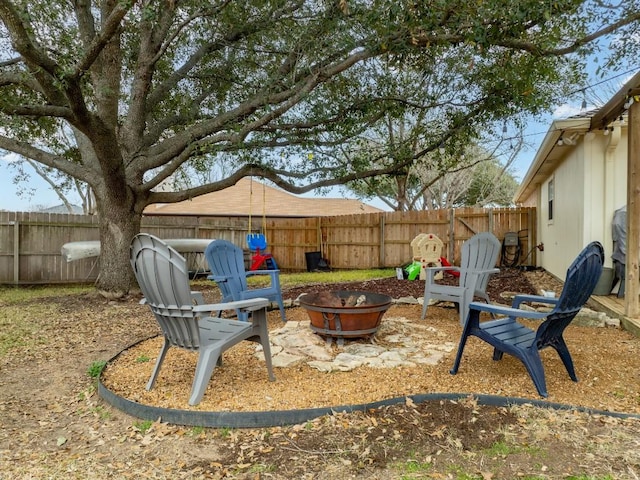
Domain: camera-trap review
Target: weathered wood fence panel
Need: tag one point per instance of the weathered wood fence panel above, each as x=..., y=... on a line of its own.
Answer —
x=290, y=239
x=352, y=240
x=30, y=243
x=30, y=247
x=402, y=227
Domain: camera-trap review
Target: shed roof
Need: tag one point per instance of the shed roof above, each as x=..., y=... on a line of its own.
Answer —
x=251, y=197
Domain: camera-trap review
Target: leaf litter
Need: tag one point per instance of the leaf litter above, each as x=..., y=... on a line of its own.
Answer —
x=53, y=425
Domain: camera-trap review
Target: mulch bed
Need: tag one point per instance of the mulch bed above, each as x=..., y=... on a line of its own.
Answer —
x=507, y=280
x=607, y=362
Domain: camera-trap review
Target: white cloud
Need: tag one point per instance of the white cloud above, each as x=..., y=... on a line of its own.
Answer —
x=11, y=157
x=565, y=111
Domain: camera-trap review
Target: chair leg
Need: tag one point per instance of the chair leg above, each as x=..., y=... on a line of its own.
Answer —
x=565, y=356
x=533, y=364
x=260, y=322
x=474, y=316
x=456, y=364
x=425, y=303
x=426, y=298
x=207, y=360
x=461, y=312
x=156, y=368
x=281, y=307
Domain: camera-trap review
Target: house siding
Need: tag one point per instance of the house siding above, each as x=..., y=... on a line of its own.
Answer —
x=590, y=184
x=563, y=233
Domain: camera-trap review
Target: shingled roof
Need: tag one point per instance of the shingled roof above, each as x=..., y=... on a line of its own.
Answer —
x=247, y=197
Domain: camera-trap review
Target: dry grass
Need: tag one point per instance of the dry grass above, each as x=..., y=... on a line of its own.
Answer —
x=52, y=425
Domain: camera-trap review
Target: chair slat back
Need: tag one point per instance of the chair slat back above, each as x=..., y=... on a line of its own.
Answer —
x=582, y=277
x=163, y=277
x=226, y=259
x=480, y=252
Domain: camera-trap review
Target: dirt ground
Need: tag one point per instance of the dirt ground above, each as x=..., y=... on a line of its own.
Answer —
x=53, y=425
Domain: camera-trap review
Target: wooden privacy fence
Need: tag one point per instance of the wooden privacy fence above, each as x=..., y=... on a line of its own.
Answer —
x=379, y=240
x=30, y=243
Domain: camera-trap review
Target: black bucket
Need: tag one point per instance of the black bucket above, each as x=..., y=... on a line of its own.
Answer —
x=315, y=262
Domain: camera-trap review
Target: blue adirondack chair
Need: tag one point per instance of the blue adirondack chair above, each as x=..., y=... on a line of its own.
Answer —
x=226, y=262
x=479, y=256
x=506, y=335
x=184, y=319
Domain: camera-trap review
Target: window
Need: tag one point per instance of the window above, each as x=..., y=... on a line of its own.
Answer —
x=550, y=195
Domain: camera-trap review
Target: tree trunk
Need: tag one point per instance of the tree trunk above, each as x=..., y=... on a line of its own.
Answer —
x=118, y=225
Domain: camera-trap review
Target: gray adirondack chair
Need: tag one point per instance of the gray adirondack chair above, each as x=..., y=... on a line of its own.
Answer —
x=506, y=335
x=226, y=262
x=185, y=320
x=479, y=256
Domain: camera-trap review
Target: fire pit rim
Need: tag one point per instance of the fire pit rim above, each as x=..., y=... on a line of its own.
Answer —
x=340, y=321
x=305, y=300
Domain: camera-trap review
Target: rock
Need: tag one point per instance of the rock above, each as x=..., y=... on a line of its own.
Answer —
x=364, y=350
x=589, y=318
x=407, y=300
x=612, y=322
x=318, y=352
x=346, y=361
x=284, y=359
x=398, y=343
x=325, y=367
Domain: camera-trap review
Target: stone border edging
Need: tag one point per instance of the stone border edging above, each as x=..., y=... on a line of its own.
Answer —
x=277, y=418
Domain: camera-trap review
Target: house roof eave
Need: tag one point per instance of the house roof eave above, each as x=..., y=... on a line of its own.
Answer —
x=549, y=153
x=615, y=107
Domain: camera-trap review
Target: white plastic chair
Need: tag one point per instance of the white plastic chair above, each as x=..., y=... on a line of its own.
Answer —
x=479, y=256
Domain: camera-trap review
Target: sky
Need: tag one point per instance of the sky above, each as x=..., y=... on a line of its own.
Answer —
x=43, y=196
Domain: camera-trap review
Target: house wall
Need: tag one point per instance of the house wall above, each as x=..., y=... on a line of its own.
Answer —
x=562, y=234
x=590, y=184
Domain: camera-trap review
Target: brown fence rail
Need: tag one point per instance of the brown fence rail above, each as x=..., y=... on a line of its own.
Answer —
x=30, y=243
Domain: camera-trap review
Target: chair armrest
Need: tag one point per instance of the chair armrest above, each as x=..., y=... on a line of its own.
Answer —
x=250, y=305
x=431, y=271
x=518, y=299
x=508, y=311
x=490, y=270
x=262, y=272
x=217, y=278
x=472, y=276
x=443, y=269
x=197, y=297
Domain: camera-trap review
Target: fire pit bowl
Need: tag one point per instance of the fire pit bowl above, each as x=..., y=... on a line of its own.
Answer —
x=345, y=314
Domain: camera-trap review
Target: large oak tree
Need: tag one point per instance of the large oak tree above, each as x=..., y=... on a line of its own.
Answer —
x=148, y=89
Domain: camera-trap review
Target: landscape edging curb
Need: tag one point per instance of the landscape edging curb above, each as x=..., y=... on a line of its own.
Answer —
x=276, y=418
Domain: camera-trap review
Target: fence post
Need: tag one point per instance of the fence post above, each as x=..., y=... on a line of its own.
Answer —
x=16, y=252
x=452, y=237
x=531, y=241
x=382, y=262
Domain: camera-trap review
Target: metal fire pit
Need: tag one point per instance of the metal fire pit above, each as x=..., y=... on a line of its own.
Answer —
x=345, y=314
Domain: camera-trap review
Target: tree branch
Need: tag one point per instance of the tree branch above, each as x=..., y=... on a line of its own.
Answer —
x=36, y=111
x=45, y=158
x=108, y=29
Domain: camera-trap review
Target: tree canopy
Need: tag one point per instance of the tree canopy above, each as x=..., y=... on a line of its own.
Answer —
x=150, y=88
